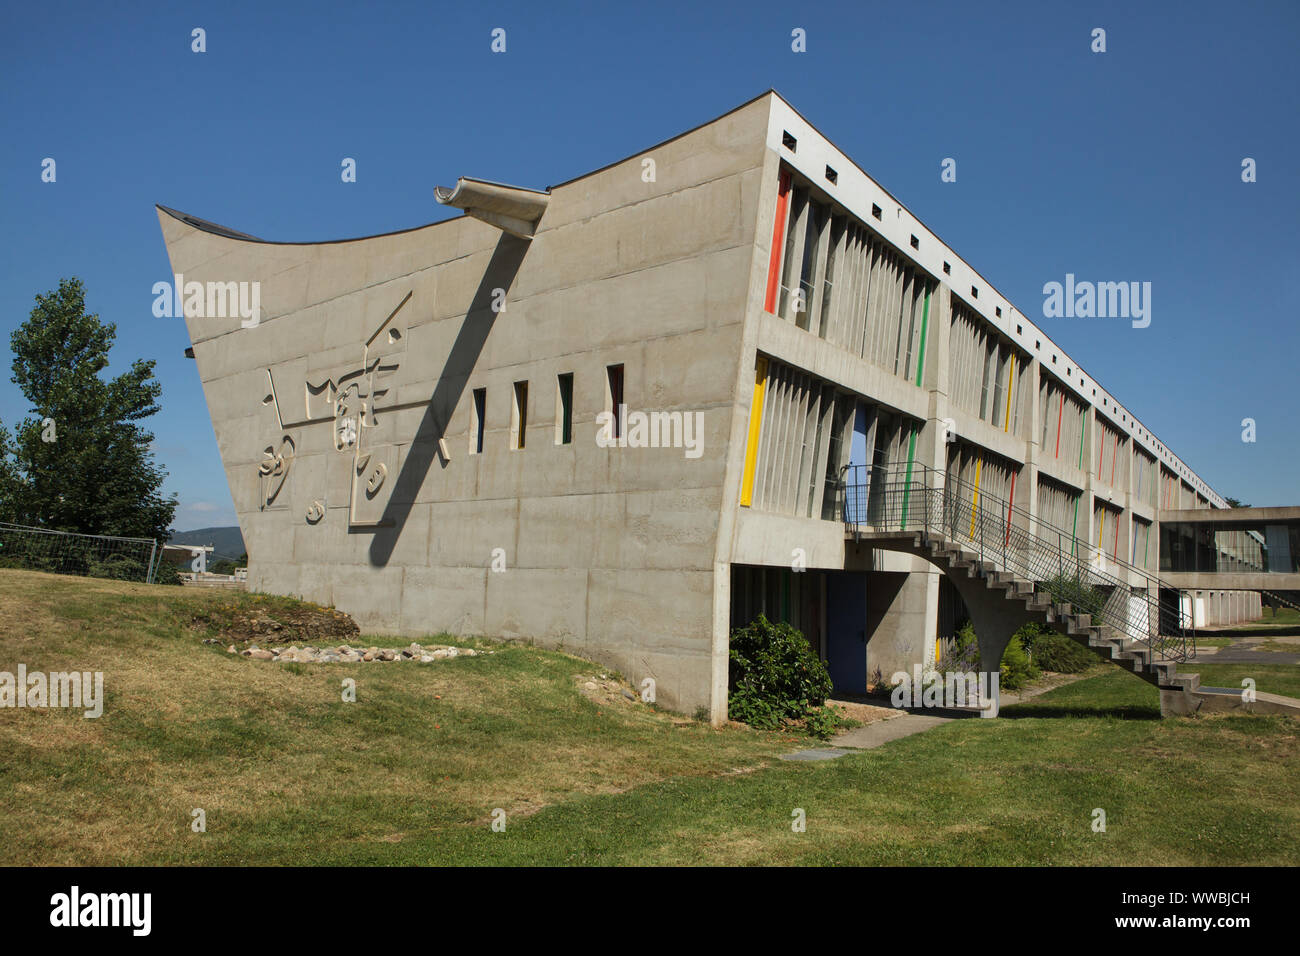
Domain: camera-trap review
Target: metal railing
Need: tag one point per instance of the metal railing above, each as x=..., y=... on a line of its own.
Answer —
x=1114, y=592
x=65, y=552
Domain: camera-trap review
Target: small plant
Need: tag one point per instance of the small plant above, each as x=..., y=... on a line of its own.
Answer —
x=825, y=722
x=880, y=687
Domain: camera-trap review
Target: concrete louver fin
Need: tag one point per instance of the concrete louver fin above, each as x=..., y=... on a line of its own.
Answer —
x=511, y=209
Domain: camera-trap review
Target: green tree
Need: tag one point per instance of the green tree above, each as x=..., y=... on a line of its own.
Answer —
x=8, y=477
x=1235, y=503
x=82, y=461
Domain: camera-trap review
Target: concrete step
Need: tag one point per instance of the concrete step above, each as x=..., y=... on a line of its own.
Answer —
x=1207, y=700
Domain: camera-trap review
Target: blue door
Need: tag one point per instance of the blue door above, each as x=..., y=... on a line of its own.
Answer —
x=846, y=635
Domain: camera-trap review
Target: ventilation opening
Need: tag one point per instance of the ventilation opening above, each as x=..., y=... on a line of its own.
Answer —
x=477, y=414
x=564, y=409
x=947, y=268
x=832, y=176
x=788, y=141
x=916, y=243
x=614, y=397
x=519, y=417
x=875, y=211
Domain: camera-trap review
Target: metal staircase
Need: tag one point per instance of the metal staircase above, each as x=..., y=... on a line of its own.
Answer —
x=1116, y=610
x=1279, y=599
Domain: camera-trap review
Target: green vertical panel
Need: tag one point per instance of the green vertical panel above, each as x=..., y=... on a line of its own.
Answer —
x=920, y=369
x=1074, y=530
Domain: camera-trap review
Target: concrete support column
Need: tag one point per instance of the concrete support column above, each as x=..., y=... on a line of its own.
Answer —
x=995, y=620
x=902, y=618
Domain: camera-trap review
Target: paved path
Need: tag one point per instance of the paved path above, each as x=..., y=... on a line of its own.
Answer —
x=907, y=723
x=1247, y=650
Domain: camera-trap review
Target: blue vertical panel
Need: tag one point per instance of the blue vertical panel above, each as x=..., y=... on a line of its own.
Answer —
x=855, y=495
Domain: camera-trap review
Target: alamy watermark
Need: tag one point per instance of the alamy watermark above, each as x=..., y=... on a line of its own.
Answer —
x=75, y=689
x=75, y=908
x=953, y=689
x=651, y=430
x=1102, y=300
x=211, y=300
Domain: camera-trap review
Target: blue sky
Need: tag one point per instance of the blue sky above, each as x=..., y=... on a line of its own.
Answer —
x=1118, y=166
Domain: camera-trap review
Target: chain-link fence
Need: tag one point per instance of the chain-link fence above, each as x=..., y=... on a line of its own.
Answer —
x=93, y=555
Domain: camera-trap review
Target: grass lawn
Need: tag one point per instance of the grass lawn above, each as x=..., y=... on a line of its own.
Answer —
x=1284, y=617
x=411, y=772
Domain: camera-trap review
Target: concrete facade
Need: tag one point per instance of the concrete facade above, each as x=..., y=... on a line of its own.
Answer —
x=366, y=474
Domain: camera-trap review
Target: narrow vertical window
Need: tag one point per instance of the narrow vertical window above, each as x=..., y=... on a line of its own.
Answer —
x=478, y=412
x=614, y=396
x=564, y=409
x=519, y=416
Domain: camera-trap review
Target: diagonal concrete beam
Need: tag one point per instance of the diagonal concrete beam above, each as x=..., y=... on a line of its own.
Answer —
x=511, y=209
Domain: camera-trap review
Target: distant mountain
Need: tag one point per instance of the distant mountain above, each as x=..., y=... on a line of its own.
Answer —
x=226, y=542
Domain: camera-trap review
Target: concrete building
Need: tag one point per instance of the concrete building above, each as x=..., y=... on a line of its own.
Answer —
x=622, y=414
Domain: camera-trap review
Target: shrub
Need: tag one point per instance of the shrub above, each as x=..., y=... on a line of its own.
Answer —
x=966, y=650
x=1082, y=598
x=774, y=675
x=1055, y=652
x=1016, y=669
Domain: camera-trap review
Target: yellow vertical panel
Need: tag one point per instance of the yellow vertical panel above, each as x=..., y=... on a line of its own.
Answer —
x=975, y=501
x=755, y=427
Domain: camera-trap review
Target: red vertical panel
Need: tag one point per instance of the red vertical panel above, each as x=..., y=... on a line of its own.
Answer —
x=778, y=242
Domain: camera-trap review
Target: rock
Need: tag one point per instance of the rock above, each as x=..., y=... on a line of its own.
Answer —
x=628, y=694
x=231, y=649
x=407, y=655
x=590, y=685
x=415, y=649
x=453, y=651
x=261, y=655
x=427, y=658
x=368, y=656
x=386, y=655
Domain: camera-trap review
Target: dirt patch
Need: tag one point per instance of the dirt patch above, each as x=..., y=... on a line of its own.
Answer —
x=296, y=624
x=864, y=713
x=606, y=689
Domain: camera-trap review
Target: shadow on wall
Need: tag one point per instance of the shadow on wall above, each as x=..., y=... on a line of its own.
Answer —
x=500, y=274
